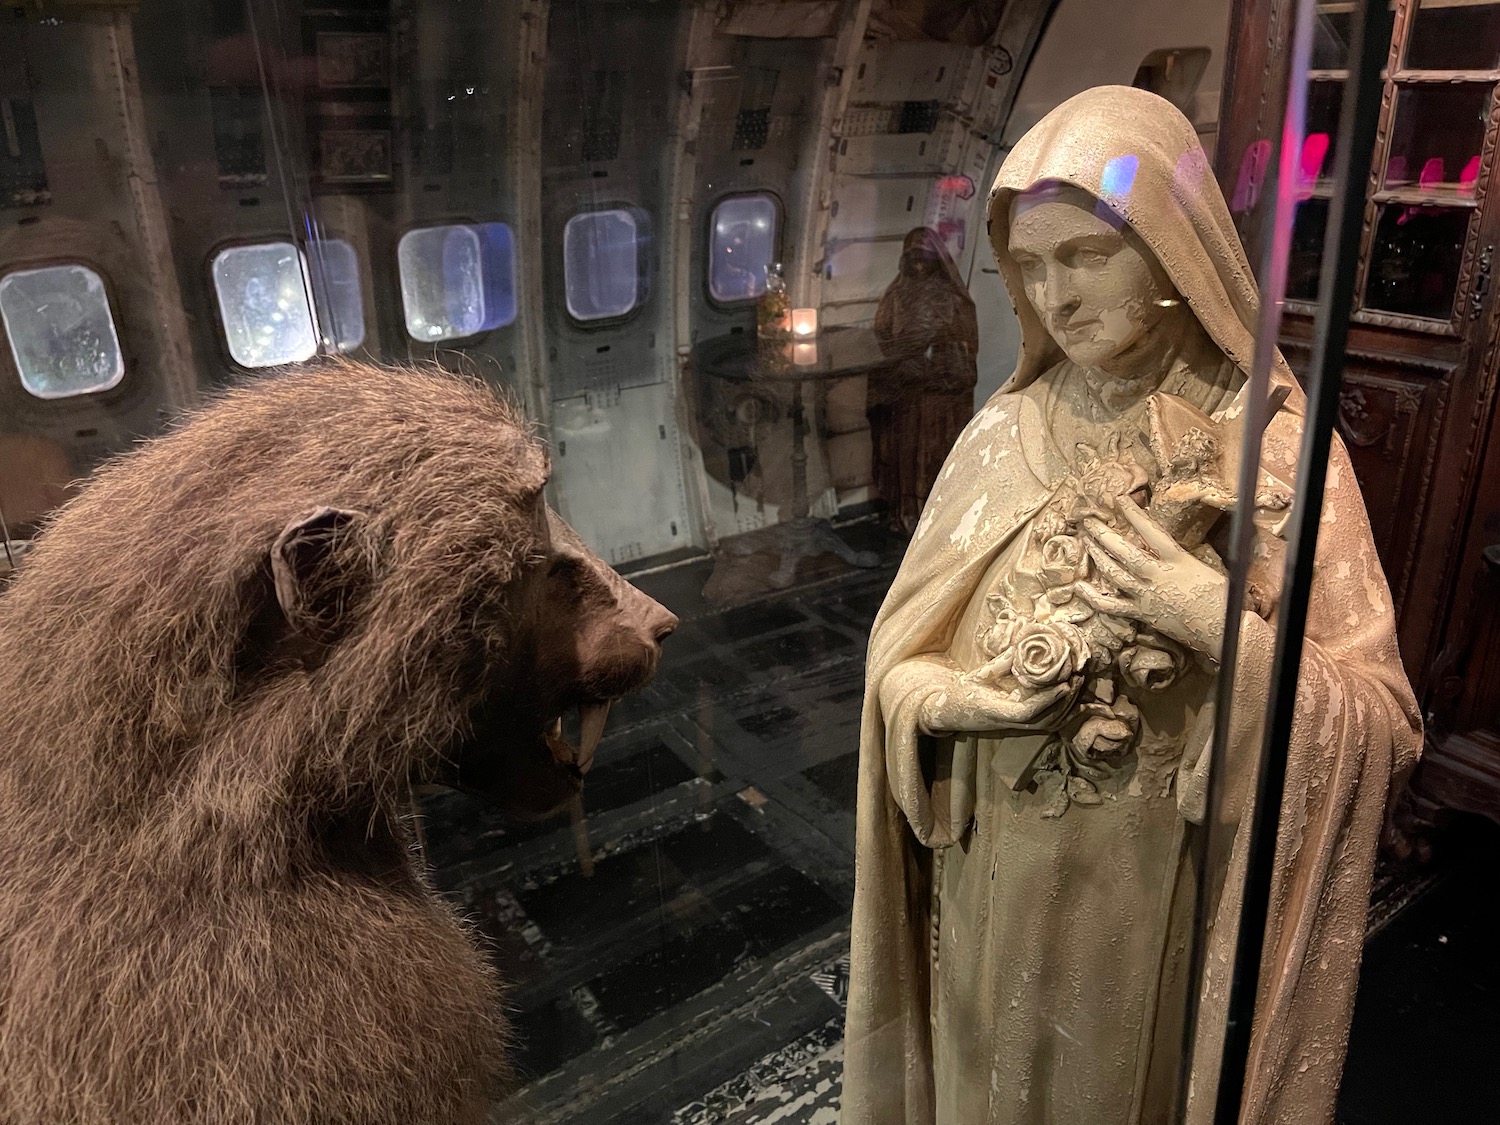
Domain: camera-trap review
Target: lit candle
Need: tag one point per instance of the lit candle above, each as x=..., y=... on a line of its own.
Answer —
x=804, y=323
x=805, y=355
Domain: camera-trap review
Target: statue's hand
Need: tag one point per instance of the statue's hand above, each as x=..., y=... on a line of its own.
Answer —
x=967, y=707
x=1163, y=586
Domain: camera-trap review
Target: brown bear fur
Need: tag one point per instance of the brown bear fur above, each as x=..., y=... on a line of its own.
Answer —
x=222, y=668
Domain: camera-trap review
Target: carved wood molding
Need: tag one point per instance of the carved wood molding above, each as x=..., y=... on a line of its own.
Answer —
x=1461, y=772
x=1473, y=431
x=1424, y=486
x=1382, y=144
x=1383, y=358
x=1355, y=417
x=1421, y=324
x=1472, y=253
x=1392, y=442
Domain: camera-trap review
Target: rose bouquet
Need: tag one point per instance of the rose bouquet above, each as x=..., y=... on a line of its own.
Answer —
x=1041, y=633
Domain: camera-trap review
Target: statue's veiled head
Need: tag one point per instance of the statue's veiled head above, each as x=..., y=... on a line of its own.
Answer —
x=1098, y=290
x=1118, y=175
x=922, y=254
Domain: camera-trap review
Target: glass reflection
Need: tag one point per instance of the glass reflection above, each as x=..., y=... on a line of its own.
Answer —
x=1325, y=101
x=457, y=281
x=1304, y=267
x=601, y=263
x=335, y=275
x=1437, y=136
x=61, y=333
x=742, y=246
x=1331, y=36
x=1415, y=258
x=263, y=303
x=1449, y=35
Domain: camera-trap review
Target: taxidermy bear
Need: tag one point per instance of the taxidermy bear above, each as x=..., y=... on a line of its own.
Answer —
x=222, y=669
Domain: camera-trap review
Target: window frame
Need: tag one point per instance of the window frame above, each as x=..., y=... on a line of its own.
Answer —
x=1396, y=77
x=213, y=255
x=367, y=322
x=125, y=380
x=646, y=264
x=708, y=244
x=455, y=221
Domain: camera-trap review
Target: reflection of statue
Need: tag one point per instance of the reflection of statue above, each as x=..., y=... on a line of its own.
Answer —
x=1024, y=891
x=919, y=406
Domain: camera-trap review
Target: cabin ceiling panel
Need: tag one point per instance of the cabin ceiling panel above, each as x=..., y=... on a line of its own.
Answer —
x=783, y=19
x=902, y=71
x=967, y=23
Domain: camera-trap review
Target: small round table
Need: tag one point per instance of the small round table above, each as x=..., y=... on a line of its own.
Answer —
x=835, y=353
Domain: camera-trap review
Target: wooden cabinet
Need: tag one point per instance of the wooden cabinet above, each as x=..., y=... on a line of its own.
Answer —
x=1418, y=404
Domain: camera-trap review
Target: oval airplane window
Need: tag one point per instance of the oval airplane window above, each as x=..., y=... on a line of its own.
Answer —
x=61, y=333
x=602, y=263
x=263, y=304
x=334, y=267
x=457, y=280
x=742, y=247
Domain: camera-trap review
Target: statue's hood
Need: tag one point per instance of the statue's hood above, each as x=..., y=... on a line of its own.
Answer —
x=1139, y=155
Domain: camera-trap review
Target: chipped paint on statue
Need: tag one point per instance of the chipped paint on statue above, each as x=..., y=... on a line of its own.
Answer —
x=1040, y=683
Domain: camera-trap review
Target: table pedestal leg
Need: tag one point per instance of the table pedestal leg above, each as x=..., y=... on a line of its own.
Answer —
x=807, y=538
x=803, y=537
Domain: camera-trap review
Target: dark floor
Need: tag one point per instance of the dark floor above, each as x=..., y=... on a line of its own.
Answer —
x=1426, y=1039
x=678, y=956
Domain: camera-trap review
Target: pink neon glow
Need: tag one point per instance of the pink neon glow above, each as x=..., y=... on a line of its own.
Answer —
x=1432, y=173
x=960, y=186
x=1314, y=152
x=1468, y=179
x=1189, y=173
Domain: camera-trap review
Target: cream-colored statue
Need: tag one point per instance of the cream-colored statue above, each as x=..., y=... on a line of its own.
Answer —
x=1025, y=876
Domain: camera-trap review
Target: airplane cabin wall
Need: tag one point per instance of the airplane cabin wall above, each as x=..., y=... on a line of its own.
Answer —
x=463, y=70
x=1090, y=43
x=272, y=122
x=757, y=98
x=214, y=155
x=914, y=149
x=611, y=93
x=77, y=192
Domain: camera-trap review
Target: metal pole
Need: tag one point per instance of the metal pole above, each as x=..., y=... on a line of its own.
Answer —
x=1272, y=278
x=1368, y=48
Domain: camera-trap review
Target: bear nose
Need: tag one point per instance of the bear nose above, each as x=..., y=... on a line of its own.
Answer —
x=663, y=623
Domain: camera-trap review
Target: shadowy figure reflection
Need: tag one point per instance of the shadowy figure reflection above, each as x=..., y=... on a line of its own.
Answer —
x=919, y=405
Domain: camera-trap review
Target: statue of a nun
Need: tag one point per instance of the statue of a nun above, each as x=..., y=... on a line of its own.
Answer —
x=1040, y=685
x=919, y=405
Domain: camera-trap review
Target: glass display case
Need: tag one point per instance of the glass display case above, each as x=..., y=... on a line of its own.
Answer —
x=911, y=360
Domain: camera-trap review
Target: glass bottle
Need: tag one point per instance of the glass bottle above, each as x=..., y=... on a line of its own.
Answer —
x=773, y=312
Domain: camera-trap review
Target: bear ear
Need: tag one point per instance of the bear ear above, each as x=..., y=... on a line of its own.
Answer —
x=532, y=468
x=316, y=574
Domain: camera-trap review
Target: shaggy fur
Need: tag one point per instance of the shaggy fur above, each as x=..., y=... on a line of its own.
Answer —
x=209, y=911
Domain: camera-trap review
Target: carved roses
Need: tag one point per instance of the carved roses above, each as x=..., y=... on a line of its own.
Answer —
x=1035, y=653
x=1107, y=474
x=1064, y=561
x=1042, y=633
x=1152, y=663
x=1047, y=653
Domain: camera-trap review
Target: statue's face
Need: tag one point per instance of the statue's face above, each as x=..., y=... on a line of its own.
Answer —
x=1092, y=281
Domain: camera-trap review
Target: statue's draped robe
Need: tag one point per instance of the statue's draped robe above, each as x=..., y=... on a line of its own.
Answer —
x=918, y=407
x=1062, y=1011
